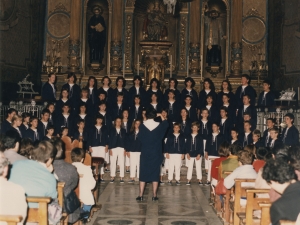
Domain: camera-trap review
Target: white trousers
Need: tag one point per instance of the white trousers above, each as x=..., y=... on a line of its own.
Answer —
x=166, y=164
x=99, y=151
x=134, y=164
x=117, y=154
x=107, y=157
x=190, y=165
x=127, y=160
x=209, y=166
x=205, y=160
x=174, y=164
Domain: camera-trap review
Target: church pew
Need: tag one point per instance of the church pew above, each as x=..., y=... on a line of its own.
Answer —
x=265, y=213
x=238, y=193
x=11, y=220
x=226, y=200
x=60, y=197
x=40, y=214
x=287, y=222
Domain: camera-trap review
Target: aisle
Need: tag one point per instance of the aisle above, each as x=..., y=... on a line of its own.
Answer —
x=178, y=205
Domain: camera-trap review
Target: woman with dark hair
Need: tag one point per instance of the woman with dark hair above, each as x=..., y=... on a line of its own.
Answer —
x=207, y=89
x=154, y=88
x=73, y=88
x=137, y=89
x=66, y=173
x=151, y=135
x=106, y=82
x=25, y=122
x=81, y=133
x=64, y=99
x=189, y=90
x=84, y=99
x=83, y=115
x=154, y=102
x=172, y=86
x=213, y=115
x=226, y=88
x=92, y=88
x=120, y=87
x=185, y=122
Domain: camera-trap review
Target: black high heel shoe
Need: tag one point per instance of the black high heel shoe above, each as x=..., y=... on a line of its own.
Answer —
x=139, y=198
x=155, y=198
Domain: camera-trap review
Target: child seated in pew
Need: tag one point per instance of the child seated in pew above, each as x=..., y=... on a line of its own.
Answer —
x=260, y=158
x=280, y=175
x=86, y=184
x=223, y=153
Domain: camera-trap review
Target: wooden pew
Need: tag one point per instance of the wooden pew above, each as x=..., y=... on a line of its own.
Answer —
x=40, y=214
x=60, y=197
x=226, y=201
x=287, y=222
x=11, y=220
x=265, y=213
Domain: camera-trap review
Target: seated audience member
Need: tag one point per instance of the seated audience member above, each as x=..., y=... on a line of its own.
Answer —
x=266, y=135
x=294, y=153
x=266, y=97
x=231, y=163
x=66, y=173
x=290, y=134
x=35, y=175
x=274, y=138
x=6, y=124
x=12, y=196
x=260, y=155
x=16, y=123
x=223, y=153
x=245, y=169
x=87, y=182
x=26, y=146
x=11, y=144
x=251, y=149
x=280, y=175
x=256, y=139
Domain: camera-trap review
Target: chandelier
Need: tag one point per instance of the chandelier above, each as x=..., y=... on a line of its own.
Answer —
x=172, y=3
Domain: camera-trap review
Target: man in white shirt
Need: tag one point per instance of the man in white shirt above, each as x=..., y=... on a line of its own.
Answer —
x=12, y=196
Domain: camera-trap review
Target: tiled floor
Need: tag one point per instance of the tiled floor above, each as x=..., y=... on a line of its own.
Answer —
x=177, y=205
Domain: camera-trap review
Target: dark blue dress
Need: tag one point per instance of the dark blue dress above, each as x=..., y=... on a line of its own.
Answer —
x=151, y=151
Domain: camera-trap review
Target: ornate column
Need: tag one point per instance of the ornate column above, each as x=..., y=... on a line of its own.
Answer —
x=116, y=38
x=236, y=34
x=129, y=58
x=183, y=40
x=74, y=41
x=194, y=47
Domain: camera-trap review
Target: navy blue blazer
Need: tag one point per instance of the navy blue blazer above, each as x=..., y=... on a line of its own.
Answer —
x=175, y=145
x=192, y=93
x=265, y=138
x=192, y=114
x=258, y=144
x=292, y=136
x=245, y=141
x=98, y=139
x=253, y=113
x=42, y=128
x=93, y=96
x=115, y=111
x=232, y=100
x=158, y=107
x=173, y=111
x=133, y=144
x=88, y=121
x=90, y=108
x=132, y=93
x=205, y=130
x=31, y=134
x=62, y=121
x=235, y=142
x=23, y=129
x=202, y=98
x=267, y=101
x=213, y=114
x=249, y=90
x=107, y=121
x=177, y=95
x=225, y=128
x=212, y=146
x=74, y=94
x=135, y=114
x=185, y=129
x=59, y=104
x=115, y=94
x=47, y=92
x=109, y=94
x=113, y=136
x=231, y=113
x=194, y=148
x=5, y=126
x=160, y=98
x=276, y=143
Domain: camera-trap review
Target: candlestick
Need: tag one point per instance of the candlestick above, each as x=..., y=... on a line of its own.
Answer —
x=170, y=66
x=201, y=63
x=108, y=64
x=138, y=66
x=187, y=67
x=124, y=66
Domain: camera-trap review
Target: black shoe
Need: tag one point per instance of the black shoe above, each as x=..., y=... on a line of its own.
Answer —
x=112, y=181
x=107, y=170
x=127, y=171
x=169, y=182
x=122, y=181
x=131, y=181
x=188, y=183
x=200, y=183
x=101, y=181
x=140, y=198
x=161, y=182
x=154, y=199
x=207, y=183
x=177, y=182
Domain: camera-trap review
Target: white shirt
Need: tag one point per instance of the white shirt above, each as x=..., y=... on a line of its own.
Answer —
x=226, y=105
x=120, y=90
x=105, y=89
x=246, y=134
x=52, y=85
x=171, y=103
x=137, y=107
x=233, y=141
x=45, y=123
x=91, y=90
x=204, y=122
x=154, y=105
x=151, y=124
x=64, y=100
x=207, y=91
x=98, y=127
x=244, y=86
x=118, y=130
x=84, y=99
x=154, y=90
x=176, y=135
x=188, y=107
x=245, y=171
x=102, y=113
x=66, y=116
x=208, y=107
x=222, y=121
x=71, y=86
x=82, y=116
x=245, y=107
x=215, y=135
x=137, y=90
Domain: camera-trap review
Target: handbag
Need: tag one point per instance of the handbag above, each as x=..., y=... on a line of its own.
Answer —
x=220, y=188
x=71, y=202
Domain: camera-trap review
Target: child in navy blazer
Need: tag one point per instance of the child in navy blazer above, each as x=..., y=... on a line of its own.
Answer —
x=33, y=132
x=117, y=151
x=194, y=151
x=133, y=149
x=192, y=111
x=175, y=150
x=189, y=90
x=290, y=134
x=185, y=123
x=245, y=138
x=173, y=107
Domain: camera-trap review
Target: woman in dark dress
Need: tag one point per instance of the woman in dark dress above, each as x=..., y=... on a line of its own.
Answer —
x=151, y=135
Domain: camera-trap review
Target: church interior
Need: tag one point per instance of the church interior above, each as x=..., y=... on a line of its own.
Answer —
x=200, y=40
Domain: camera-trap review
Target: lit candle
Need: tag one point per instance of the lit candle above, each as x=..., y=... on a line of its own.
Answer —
x=108, y=64
x=124, y=66
x=138, y=64
x=170, y=66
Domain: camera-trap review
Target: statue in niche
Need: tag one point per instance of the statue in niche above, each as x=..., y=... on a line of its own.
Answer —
x=96, y=35
x=154, y=70
x=213, y=36
x=154, y=27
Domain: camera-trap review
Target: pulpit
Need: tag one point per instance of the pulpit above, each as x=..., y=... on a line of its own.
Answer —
x=155, y=59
